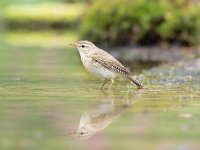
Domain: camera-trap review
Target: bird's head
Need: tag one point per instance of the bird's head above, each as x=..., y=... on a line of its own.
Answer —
x=84, y=46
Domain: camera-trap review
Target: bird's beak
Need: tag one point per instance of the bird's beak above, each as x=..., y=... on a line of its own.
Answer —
x=73, y=45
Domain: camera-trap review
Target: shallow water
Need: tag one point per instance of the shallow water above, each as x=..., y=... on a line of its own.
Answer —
x=48, y=101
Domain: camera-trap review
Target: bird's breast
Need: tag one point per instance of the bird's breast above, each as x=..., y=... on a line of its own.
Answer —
x=95, y=68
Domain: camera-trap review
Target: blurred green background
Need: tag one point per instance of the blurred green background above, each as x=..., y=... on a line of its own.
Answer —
x=46, y=96
x=140, y=22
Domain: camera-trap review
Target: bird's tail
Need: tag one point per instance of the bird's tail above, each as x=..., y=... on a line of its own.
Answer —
x=136, y=82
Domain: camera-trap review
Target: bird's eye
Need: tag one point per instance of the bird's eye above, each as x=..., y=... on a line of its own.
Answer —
x=82, y=46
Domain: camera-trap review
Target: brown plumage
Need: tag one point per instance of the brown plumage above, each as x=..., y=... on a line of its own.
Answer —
x=102, y=64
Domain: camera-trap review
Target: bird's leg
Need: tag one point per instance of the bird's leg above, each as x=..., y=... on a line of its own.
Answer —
x=102, y=85
x=112, y=81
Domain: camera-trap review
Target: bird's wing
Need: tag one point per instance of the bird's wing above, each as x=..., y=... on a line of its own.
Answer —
x=108, y=61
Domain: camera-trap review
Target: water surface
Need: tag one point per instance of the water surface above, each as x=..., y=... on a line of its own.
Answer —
x=48, y=101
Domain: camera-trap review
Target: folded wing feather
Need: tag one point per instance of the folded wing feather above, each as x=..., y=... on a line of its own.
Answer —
x=108, y=61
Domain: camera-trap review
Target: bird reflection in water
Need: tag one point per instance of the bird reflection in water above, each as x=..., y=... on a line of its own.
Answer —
x=100, y=117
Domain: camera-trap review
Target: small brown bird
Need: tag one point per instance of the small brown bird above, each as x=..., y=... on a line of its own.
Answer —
x=102, y=64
